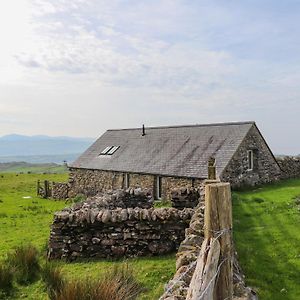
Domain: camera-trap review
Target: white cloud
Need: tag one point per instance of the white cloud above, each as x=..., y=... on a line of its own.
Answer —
x=83, y=66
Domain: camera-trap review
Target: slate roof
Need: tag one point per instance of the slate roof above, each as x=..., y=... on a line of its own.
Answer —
x=181, y=151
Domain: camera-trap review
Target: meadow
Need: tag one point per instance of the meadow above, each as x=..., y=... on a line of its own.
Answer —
x=267, y=237
x=266, y=233
x=26, y=218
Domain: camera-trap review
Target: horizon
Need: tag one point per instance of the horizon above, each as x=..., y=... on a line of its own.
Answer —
x=77, y=69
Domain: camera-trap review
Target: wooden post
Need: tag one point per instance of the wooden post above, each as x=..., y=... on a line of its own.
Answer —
x=216, y=250
x=38, y=188
x=211, y=169
x=218, y=222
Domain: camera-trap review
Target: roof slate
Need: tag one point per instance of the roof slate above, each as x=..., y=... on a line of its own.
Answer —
x=181, y=151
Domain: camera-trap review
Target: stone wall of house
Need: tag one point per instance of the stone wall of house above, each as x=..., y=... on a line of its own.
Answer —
x=91, y=182
x=265, y=167
x=290, y=166
x=96, y=228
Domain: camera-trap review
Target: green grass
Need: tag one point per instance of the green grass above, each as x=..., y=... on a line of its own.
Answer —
x=267, y=237
x=27, y=220
x=24, y=167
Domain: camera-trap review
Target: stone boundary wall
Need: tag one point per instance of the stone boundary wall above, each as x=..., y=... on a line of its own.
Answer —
x=177, y=287
x=60, y=190
x=290, y=166
x=120, y=232
x=186, y=197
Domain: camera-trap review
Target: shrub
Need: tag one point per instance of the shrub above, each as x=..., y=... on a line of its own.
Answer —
x=118, y=284
x=53, y=279
x=6, y=279
x=79, y=198
x=24, y=262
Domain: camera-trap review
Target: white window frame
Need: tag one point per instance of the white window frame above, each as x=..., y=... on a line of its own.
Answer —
x=158, y=187
x=127, y=180
x=250, y=160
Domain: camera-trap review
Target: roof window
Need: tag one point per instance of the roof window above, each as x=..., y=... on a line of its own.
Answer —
x=109, y=150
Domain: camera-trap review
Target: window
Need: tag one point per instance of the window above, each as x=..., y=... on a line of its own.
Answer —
x=109, y=150
x=127, y=180
x=250, y=160
x=113, y=150
x=104, y=152
x=158, y=187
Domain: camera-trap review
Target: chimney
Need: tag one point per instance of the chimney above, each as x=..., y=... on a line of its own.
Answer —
x=143, y=130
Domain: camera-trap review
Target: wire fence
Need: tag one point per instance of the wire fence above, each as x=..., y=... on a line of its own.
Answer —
x=218, y=234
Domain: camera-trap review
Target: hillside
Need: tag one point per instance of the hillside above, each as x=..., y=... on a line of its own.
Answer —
x=41, y=149
x=24, y=167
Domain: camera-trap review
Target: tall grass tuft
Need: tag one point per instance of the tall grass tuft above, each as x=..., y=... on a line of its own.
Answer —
x=6, y=279
x=53, y=277
x=25, y=263
x=118, y=284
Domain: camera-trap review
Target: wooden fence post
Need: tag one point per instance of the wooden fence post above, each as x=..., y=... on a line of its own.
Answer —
x=218, y=222
x=213, y=275
x=38, y=188
x=211, y=169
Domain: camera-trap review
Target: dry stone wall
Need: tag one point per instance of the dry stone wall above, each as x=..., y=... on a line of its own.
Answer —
x=186, y=257
x=290, y=166
x=185, y=197
x=95, y=228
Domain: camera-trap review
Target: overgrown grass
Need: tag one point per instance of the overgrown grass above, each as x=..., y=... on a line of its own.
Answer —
x=24, y=262
x=53, y=278
x=267, y=237
x=6, y=280
x=118, y=284
x=20, y=225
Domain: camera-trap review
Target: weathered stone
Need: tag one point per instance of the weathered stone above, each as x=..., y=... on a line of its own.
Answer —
x=106, y=216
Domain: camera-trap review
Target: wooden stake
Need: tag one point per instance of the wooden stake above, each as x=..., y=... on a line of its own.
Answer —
x=218, y=222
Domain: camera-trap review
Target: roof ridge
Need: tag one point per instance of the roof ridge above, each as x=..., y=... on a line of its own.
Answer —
x=187, y=125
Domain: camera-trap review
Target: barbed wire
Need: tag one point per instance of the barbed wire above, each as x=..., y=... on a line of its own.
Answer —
x=218, y=235
x=213, y=278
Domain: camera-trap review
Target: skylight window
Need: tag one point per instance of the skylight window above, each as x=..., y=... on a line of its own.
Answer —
x=104, y=152
x=113, y=150
x=109, y=150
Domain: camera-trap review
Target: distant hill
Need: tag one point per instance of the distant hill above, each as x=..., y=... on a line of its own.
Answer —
x=23, y=167
x=41, y=148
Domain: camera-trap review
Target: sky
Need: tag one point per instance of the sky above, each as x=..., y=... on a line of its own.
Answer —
x=80, y=67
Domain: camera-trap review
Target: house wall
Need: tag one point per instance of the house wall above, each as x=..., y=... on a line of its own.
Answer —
x=265, y=167
x=91, y=182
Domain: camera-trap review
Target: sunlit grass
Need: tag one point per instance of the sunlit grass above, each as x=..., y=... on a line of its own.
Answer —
x=267, y=236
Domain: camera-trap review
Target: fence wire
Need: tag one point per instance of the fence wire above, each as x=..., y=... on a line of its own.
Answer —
x=174, y=282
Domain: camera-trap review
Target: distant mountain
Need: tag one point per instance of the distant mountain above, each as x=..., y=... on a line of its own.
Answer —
x=56, y=148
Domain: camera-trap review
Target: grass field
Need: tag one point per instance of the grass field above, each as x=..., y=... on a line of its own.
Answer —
x=267, y=237
x=266, y=232
x=24, y=167
x=24, y=220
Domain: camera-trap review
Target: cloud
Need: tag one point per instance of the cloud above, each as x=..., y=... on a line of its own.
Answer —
x=88, y=64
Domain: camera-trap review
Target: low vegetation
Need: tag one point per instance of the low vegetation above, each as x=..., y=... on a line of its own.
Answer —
x=267, y=237
x=266, y=232
x=24, y=262
x=25, y=219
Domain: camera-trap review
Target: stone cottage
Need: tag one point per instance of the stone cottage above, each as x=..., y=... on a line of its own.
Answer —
x=167, y=157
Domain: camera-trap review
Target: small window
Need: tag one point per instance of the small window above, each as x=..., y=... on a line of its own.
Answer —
x=105, y=151
x=113, y=150
x=250, y=160
x=158, y=187
x=127, y=180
